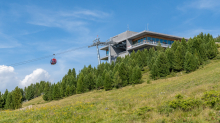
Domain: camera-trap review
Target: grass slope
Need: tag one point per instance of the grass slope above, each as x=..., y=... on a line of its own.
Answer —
x=123, y=105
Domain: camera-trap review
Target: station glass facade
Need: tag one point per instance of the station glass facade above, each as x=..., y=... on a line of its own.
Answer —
x=153, y=40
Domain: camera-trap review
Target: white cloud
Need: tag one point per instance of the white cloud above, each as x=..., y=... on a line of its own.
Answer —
x=37, y=76
x=8, y=79
x=69, y=20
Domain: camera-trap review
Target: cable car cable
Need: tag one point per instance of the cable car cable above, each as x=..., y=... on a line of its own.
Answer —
x=37, y=59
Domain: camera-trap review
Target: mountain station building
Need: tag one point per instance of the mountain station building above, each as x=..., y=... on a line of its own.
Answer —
x=128, y=41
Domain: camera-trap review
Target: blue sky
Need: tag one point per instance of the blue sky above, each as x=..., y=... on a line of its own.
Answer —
x=33, y=29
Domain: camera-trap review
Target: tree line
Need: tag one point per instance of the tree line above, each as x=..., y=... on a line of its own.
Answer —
x=217, y=39
x=183, y=55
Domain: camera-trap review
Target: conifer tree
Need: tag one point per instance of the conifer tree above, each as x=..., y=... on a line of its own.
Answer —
x=116, y=68
x=211, y=49
x=107, y=66
x=162, y=65
x=50, y=95
x=9, y=103
x=123, y=74
x=42, y=86
x=22, y=93
x=178, y=59
x=107, y=82
x=25, y=92
x=63, y=86
x=74, y=73
x=197, y=57
x=118, y=60
x=1, y=101
x=46, y=92
x=133, y=76
x=62, y=94
x=4, y=97
x=132, y=55
x=196, y=60
x=184, y=44
x=16, y=98
x=91, y=81
x=117, y=82
x=112, y=65
x=154, y=71
x=30, y=92
x=170, y=57
x=103, y=75
x=153, y=59
x=203, y=53
x=146, y=56
x=139, y=61
x=99, y=83
x=56, y=92
x=175, y=45
x=80, y=85
x=133, y=63
x=159, y=47
x=72, y=90
x=138, y=74
x=129, y=73
x=86, y=82
x=150, y=56
x=190, y=62
x=68, y=91
x=37, y=90
x=69, y=72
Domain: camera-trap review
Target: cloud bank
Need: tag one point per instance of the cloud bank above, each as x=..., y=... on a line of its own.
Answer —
x=37, y=76
x=9, y=79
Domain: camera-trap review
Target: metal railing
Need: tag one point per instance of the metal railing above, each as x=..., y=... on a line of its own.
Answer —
x=151, y=43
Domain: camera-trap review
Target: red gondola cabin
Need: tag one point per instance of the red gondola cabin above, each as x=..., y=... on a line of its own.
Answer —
x=53, y=61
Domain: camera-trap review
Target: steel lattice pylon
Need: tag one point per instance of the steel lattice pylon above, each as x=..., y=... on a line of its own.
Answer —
x=97, y=43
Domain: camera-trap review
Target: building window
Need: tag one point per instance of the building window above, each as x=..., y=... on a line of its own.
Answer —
x=149, y=38
x=107, y=52
x=157, y=40
x=161, y=41
x=165, y=41
x=144, y=39
x=169, y=42
x=153, y=39
x=134, y=42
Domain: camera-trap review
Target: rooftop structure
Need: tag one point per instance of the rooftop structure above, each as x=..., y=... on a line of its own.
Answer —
x=128, y=41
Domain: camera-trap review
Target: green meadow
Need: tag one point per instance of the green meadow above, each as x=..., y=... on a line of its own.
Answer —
x=146, y=102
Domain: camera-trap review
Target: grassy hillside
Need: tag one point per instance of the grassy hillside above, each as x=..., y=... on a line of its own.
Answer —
x=129, y=104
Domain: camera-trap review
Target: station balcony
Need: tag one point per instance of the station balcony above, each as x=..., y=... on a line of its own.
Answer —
x=147, y=43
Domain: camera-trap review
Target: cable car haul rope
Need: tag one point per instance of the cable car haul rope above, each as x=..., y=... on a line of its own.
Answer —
x=53, y=61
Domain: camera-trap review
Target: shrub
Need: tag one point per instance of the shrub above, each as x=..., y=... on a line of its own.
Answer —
x=211, y=98
x=165, y=109
x=179, y=96
x=185, y=105
x=143, y=110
